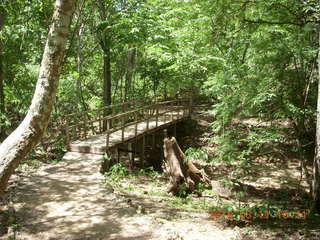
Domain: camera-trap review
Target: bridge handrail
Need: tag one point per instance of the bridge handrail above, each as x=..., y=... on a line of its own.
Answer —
x=147, y=118
x=132, y=123
x=76, y=128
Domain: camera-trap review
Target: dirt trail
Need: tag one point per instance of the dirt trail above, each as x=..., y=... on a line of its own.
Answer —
x=69, y=200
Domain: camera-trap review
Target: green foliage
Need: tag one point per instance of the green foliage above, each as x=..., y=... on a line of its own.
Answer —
x=116, y=172
x=193, y=154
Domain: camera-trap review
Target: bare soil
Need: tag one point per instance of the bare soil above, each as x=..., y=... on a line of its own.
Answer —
x=69, y=200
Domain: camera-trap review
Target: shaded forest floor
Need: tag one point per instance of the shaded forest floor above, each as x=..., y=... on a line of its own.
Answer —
x=72, y=200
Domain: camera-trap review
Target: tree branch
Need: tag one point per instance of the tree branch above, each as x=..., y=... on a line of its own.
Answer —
x=277, y=23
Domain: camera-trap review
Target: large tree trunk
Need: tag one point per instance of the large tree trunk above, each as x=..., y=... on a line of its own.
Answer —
x=29, y=132
x=2, y=95
x=316, y=163
x=105, y=9
x=183, y=175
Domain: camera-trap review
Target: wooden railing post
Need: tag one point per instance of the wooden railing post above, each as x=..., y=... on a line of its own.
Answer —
x=107, y=140
x=171, y=108
x=147, y=118
x=100, y=123
x=104, y=114
x=122, y=108
x=122, y=127
x=136, y=124
x=178, y=109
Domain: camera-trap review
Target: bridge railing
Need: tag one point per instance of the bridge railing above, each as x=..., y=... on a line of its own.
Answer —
x=83, y=124
x=117, y=117
x=155, y=114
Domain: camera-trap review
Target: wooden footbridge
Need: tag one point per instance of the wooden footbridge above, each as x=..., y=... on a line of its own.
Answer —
x=108, y=129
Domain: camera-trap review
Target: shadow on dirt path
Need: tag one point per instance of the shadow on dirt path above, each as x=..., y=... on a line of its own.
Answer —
x=68, y=201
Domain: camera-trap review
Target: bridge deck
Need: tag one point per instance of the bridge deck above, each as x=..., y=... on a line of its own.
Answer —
x=97, y=143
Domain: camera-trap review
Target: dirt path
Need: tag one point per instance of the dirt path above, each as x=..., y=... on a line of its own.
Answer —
x=69, y=200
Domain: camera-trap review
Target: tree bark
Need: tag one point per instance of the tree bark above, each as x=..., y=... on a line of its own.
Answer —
x=107, y=77
x=2, y=94
x=105, y=10
x=16, y=146
x=129, y=72
x=316, y=163
x=183, y=175
x=79, y=69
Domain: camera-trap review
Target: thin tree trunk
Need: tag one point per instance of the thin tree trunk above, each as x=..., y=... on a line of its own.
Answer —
x=2, y=94
x=79, y=69
x=106, y=83
x=129, y=74
x=107, y=77
x=316, y=163
x=121, y=89
x=29, y=132
x=104, y=38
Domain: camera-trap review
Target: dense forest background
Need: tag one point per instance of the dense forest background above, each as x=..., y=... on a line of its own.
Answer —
x=248, y=58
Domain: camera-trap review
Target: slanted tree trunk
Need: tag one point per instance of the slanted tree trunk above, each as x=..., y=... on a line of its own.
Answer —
x=2, y=95
x=28, y=134
x=183, y=175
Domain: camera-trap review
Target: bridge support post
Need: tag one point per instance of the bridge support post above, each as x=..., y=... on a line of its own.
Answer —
x=143, y=145
x=131, y=156
x=190, y=105
x=153, y=140
x=175, y=130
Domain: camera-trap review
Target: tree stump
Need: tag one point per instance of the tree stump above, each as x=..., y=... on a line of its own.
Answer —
x=183, y=175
